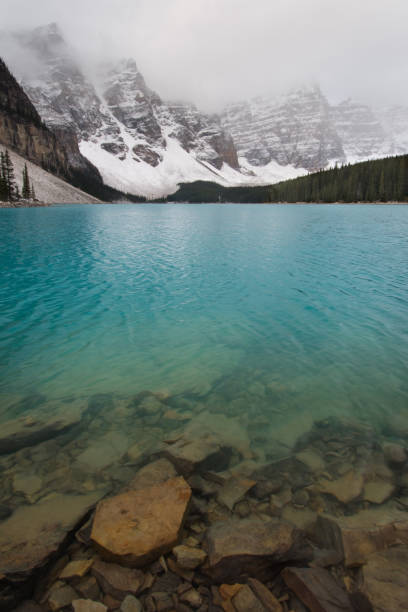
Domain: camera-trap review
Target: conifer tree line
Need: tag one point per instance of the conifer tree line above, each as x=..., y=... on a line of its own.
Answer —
x=9, y=190
x=382, y=180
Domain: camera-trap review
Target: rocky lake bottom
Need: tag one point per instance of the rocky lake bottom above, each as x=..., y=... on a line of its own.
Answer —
x=166, y=502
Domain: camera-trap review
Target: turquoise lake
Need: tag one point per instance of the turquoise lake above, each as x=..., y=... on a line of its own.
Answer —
x=298, y=311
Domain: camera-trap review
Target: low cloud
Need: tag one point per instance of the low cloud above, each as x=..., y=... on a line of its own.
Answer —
x=216, y=51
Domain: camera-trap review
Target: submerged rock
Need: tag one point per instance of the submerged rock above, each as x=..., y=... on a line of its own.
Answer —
x=116, y=580
x=234, y=490
x=34, y=533
x=395, y=453
x=358, y=536
x=103, y=451
x=60, y=597
x=29, y=606
x=188, y=557
x=249, y=547
x=378, y=491
x=5, y=512
x=131, y=604
x=86, y=605
x=203, y=453
x=268, y=599
x=345, y=489
x=38, y=426
x=192, y=598
x=28, y=484
x=312, y=460
x=152, y=474
x=245, y=600
x=207, y=443
x=136, y=527
x=76, y=569
x=317, y=589
x=88, y=587
x=384, y=580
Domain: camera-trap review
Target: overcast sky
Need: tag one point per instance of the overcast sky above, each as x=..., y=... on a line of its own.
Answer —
x=215, y=51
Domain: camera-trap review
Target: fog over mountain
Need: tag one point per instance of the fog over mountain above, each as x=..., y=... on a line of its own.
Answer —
x=213, y=52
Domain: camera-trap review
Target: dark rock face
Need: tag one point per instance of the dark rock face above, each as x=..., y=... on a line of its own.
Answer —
x=132, y=103
x=22, y=129
x=200, y=133
x=81, y=173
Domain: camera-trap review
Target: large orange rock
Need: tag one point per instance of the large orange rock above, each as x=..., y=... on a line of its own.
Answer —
x=136, y=527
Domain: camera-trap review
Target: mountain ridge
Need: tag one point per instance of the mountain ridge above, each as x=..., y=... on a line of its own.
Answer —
x=145, y=145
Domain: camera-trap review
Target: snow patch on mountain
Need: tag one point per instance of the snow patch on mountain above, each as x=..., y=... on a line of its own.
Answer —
x=177, y=166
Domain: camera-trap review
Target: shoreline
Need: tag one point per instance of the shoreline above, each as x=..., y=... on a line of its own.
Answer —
x=48, y=204
x=24, y=204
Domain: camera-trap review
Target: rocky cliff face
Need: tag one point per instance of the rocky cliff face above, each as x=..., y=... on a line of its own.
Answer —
x=359, y=130
x=199, y=133
x=394, y=120
x=295, y=129
x=22, y=129
x=301, y=128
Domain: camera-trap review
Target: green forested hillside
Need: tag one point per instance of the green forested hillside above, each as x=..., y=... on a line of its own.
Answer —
x=381, y=180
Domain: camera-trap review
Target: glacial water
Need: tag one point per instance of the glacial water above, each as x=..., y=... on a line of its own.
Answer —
x=277, y=316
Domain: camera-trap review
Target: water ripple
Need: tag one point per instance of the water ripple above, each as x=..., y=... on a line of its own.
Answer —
x=105, y=298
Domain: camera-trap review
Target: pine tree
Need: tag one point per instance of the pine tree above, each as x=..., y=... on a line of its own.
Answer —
x=32, y=192
x=8, y=174
x=26, y=192
x=3, y=184
x=3, y=181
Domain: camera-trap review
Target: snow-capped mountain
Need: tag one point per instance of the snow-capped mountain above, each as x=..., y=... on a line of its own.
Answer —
x=295, y=129
x=138, y=142
x=144, y=145
x=360, y=131
x=301, y=128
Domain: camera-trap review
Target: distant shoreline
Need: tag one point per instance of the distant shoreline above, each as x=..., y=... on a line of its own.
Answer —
x=23, y=204
x=48, y=204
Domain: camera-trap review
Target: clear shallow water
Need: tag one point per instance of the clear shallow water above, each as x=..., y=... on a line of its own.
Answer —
x=213, y=301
